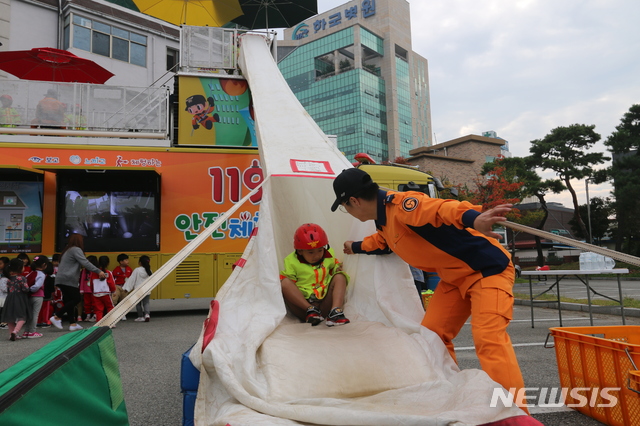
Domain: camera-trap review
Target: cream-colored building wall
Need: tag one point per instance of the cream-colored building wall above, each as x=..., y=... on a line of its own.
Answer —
x=5, y=14
x=447, y=170
x=421, y=106
x=33, y=25
x=459, y=163
x=387, y=20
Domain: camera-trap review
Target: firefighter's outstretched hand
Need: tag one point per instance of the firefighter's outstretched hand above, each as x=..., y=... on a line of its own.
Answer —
x=347, y=247
x=485, y=221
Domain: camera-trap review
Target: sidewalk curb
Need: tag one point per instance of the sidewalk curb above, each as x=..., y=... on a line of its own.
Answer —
x=565, y=306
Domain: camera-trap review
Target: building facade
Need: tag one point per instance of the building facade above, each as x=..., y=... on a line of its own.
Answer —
x=458, y=161
x=354, y=71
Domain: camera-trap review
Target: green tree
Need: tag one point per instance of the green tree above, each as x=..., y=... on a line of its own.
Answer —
x=600, y=212
x=567, y=151
x=624, y=144
x=522, y=170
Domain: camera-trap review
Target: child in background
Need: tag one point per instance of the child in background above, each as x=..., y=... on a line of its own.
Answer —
x=120, y=275
x=49, y=287
x=139, y=275
x=27, y=263
x=418, y=280
x=16, y=306
x=36, y=281
x=4, y=264
x=313, y=284
x=102, y=289
x=57, y=303
x=55, y=261
x=86, y=308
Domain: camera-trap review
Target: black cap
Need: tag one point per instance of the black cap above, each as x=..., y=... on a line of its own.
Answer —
x=348, y=183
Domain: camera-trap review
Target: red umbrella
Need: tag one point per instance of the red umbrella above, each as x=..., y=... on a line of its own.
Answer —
x=49, y=64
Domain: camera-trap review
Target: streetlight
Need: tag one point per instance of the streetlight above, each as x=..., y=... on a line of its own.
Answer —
x=586, y=186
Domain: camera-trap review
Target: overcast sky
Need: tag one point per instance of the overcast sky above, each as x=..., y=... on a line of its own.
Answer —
x=524, y=67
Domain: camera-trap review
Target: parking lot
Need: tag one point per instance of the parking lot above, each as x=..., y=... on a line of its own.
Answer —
x=149, y=357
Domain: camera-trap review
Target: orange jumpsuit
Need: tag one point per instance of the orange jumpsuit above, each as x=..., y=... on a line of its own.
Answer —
x=476, y=273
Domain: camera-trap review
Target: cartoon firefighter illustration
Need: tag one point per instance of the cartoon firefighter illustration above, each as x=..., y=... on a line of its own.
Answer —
x=200, y=108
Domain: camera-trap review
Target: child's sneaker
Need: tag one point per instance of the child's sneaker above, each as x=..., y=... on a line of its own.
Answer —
x=34, y=335
x=3, y=325
x=314, y=316
x=91, y=318
x=336, y=317
x=75, y=327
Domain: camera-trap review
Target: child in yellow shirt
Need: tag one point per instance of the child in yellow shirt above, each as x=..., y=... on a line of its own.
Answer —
x=313, y=283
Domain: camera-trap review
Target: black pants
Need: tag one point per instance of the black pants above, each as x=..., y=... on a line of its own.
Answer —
x=70, y=298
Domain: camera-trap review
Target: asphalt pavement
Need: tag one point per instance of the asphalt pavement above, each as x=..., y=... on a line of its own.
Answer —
x=149, y=356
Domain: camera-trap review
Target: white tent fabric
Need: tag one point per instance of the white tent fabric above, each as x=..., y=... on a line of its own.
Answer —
x=263, y=367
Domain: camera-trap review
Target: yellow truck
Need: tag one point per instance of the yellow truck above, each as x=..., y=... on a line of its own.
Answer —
x=400, y=177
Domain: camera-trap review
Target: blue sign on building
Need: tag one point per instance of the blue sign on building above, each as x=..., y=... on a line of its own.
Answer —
x=367, y=9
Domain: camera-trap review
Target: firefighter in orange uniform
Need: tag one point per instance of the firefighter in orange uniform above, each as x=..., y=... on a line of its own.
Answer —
x=453, y=239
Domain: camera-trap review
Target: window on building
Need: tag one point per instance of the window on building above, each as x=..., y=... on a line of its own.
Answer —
x=106, y=40
x=371, y=60
x=401, y=53
x=173, y=57
x=324, y=66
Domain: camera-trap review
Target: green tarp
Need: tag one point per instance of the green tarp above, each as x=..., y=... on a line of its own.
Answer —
x=73, y=380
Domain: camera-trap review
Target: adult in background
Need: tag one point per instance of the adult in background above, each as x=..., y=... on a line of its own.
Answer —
x=72, y=260
x=455, y=240
x=9, y=116
x=50, y=111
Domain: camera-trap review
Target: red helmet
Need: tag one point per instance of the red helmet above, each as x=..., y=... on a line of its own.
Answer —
x=309, y=236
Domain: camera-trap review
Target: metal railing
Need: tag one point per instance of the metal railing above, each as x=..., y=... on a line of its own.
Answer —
x=83, y=108
x=106, y=111
x=213, y=50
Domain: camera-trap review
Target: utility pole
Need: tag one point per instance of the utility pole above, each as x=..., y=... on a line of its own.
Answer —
x=586, y=186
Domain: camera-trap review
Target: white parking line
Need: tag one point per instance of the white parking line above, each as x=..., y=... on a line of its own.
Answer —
x=541, y=320
x=550, y=319
x=545, y=410
x=515, y=345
